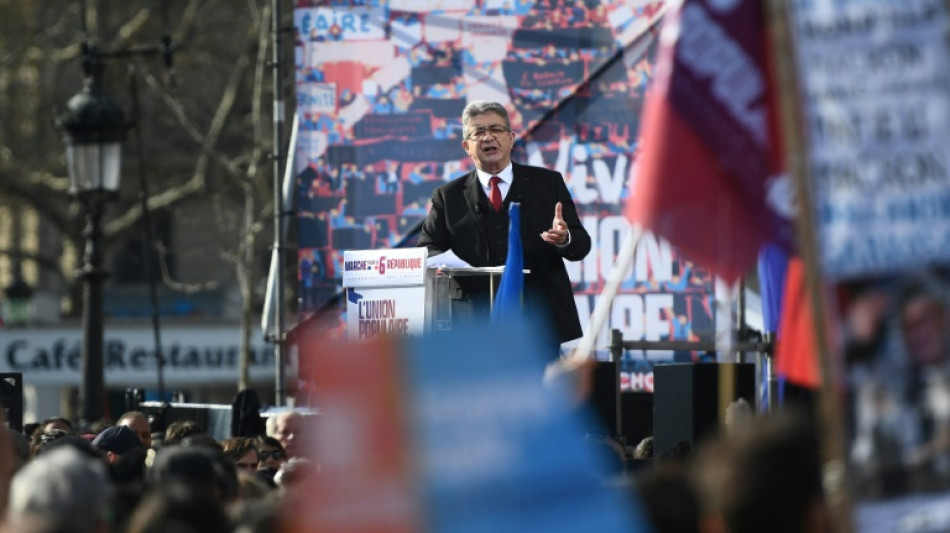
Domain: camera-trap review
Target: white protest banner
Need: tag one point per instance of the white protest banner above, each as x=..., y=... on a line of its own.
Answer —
x=874, y=76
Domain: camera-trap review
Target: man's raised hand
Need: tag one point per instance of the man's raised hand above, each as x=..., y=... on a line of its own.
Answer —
x=557, y=234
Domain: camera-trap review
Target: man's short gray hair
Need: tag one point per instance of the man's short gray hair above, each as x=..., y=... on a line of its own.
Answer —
x=480, y=107
x=62, y=487
x=270, y=425
x=131, y=415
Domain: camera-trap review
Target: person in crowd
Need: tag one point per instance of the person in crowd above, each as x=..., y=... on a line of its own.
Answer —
x=669, y=497
x=179, y=507
x=62, y=490
x=765, y=476
x=178, y=430
x=44, y=438
x=272, y=457
x=252, y=487
x=201, y=440
x=469, y=216
x=271, y=452
x=137, y=421
x=286, y=429
x=246, y=418
x=738, y=414
x=295, y=472
x=682, y=451
x=202, y=468
x=127, y=472
x=80, y=444
x=641, y=456
x=31, y=428
x=923, y=316
x=116, y=441
x=899, y=334
x=243, y=451
x=260, y=515
x=96, y=427
x=56, y=422
x=644, y=449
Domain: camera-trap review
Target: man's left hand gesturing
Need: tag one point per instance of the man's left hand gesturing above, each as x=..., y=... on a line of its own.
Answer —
x=557, y=234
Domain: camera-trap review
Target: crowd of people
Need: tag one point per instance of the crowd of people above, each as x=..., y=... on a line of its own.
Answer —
x=762, y=473
x=118, y=477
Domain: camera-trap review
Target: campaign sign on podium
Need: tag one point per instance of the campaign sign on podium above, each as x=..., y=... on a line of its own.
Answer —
x=385, y=292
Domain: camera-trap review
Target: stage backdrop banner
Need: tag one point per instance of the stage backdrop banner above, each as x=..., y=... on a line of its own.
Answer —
x=381, y=90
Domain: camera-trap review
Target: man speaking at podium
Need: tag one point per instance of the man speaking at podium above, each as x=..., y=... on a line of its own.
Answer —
x=469, y=216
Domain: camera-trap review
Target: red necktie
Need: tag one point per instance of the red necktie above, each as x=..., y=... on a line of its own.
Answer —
x=495, y=197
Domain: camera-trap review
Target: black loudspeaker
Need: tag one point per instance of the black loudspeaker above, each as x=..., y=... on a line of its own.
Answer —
x=637, y=416
x=605, y=399
x=687, y=402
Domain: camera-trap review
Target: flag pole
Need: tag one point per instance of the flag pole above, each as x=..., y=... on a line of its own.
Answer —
x=726, y=356
x=599, y=316
x=829, y=415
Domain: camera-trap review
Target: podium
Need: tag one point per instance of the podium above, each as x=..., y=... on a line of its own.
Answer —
x=392, y=292
x=446, y=301
x=385, y=292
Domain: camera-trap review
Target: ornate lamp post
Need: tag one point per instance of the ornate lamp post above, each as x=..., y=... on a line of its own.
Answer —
x=94, y=128
x=16, y=302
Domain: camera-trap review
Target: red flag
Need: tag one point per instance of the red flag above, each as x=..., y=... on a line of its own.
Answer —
x=360, y=440
x=796, y=350
x=709, y=139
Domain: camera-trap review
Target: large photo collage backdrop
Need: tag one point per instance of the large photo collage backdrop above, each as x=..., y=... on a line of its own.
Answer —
x=381, y=86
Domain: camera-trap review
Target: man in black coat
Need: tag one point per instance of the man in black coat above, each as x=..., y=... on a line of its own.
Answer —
x=469, y=216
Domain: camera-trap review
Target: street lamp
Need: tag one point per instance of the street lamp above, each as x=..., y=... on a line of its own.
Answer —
x=18, y=295
x=16, y=302
x=94, y=127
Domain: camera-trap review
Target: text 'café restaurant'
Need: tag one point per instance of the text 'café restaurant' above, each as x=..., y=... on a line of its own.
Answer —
x=201, y=361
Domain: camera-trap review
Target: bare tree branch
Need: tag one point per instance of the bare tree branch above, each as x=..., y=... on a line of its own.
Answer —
x=186, y=25
x=187, y=288
x=178, y=110
x=258, y=89
x=197, y=181
x=132, y=27
x=59, y=212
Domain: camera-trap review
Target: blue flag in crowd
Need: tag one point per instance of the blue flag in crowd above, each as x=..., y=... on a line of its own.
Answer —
x=510, y=293
x=773, y=264
x=496, y=450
